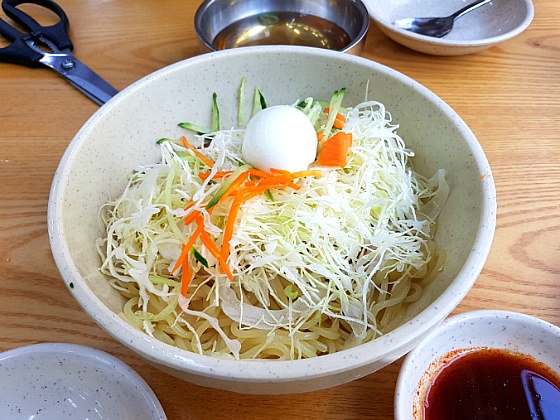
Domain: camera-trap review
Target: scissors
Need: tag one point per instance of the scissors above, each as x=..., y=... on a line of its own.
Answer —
x=49, y=46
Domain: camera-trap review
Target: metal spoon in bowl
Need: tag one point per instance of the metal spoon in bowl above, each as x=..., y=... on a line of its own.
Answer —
x=437, y=27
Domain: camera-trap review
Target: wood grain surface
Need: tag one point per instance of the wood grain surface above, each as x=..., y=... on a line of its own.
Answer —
x=509, y=95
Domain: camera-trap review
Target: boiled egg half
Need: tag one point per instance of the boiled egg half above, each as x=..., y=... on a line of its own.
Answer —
x=280, y=137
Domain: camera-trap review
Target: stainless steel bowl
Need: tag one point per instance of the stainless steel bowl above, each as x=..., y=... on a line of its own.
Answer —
x=332, y=24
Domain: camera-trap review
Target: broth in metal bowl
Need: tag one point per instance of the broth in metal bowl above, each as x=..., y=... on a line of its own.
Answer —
x=339, y=25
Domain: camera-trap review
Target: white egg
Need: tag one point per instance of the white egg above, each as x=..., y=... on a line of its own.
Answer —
x=280, y=137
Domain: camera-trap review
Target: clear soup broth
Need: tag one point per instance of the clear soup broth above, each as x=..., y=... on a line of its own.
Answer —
x=282, y=28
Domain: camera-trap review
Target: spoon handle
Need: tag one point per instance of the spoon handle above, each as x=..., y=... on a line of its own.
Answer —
x=469, y=8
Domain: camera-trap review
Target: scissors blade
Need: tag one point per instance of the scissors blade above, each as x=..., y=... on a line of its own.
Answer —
x=80, y=76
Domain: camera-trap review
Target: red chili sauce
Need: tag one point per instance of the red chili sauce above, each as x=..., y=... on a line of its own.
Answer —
x=494, y=384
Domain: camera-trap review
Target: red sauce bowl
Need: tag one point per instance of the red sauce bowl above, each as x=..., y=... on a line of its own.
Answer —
x=490, y=364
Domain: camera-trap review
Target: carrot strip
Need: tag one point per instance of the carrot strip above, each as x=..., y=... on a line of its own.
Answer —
x=335, y=149
x=242, y=189
x=182, y=257
x=299, y=174
x=211, y=246
x=217, y=175
x=234, y=186
x=339, y=120
x=256, y=172
x=284, y=177
x=187, y=247
x=238, y=176
x=261, y=188
x=309, y=172
x=197, y=153
x=273, y=184
x=251, y=192
x=189, y=205
x=228, y=229
x=338, y=123
x=194, y=216
x=273, y=180
x=292, y=186
x=280, y=171
x=339, y=116
x=191, y=217
x=281, y=178
x=186, y=277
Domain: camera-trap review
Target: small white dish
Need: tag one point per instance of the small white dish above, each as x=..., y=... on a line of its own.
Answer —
x=68, y=381
x=478, y=30
x=511, y=331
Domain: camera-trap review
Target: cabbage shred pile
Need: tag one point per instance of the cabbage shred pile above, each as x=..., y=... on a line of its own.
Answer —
x=333, y=247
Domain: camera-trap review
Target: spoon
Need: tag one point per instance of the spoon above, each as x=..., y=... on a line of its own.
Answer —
x=440, y=26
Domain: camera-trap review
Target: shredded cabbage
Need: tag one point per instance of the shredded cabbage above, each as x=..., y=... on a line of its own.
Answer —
x=330, y=242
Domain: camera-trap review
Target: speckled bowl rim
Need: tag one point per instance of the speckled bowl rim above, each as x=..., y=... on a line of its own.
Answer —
x=396, y=342
x=456, y=43
x=479, y=317
x=96, y=356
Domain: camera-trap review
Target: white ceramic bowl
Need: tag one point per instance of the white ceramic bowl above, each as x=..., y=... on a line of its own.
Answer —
x=478, y=30
x=68, y=381
x=489, y=328
x=122, y=135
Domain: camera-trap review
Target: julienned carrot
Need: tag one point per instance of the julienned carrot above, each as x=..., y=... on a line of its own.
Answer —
x=256, y=172
x=228, y=229
x=232, y=180
x=273, y=180
x=310, y=172
x=186, y=277
x=249, y=189
x=339, y=120
x=217, y=175
x=283, y=177
x=183, y=260
x=187, y=247
x=242, y=189
x=197, y=153
x=191, y=217
x=334, y=150
x=211, y=246
x=250, y=192
x=298, y=174
x=234, y=186
x=280, y=171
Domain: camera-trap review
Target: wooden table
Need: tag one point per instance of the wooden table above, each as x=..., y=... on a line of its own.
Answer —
x=509, y=95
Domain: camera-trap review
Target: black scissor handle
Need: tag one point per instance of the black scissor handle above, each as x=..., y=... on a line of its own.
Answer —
x=57, y=33
x=18, y=52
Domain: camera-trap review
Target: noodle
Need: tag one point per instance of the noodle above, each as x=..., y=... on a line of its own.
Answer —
x=315, y=271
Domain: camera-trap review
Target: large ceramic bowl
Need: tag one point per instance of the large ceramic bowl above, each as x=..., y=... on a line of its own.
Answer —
x=122, y=134
x=491, y=24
